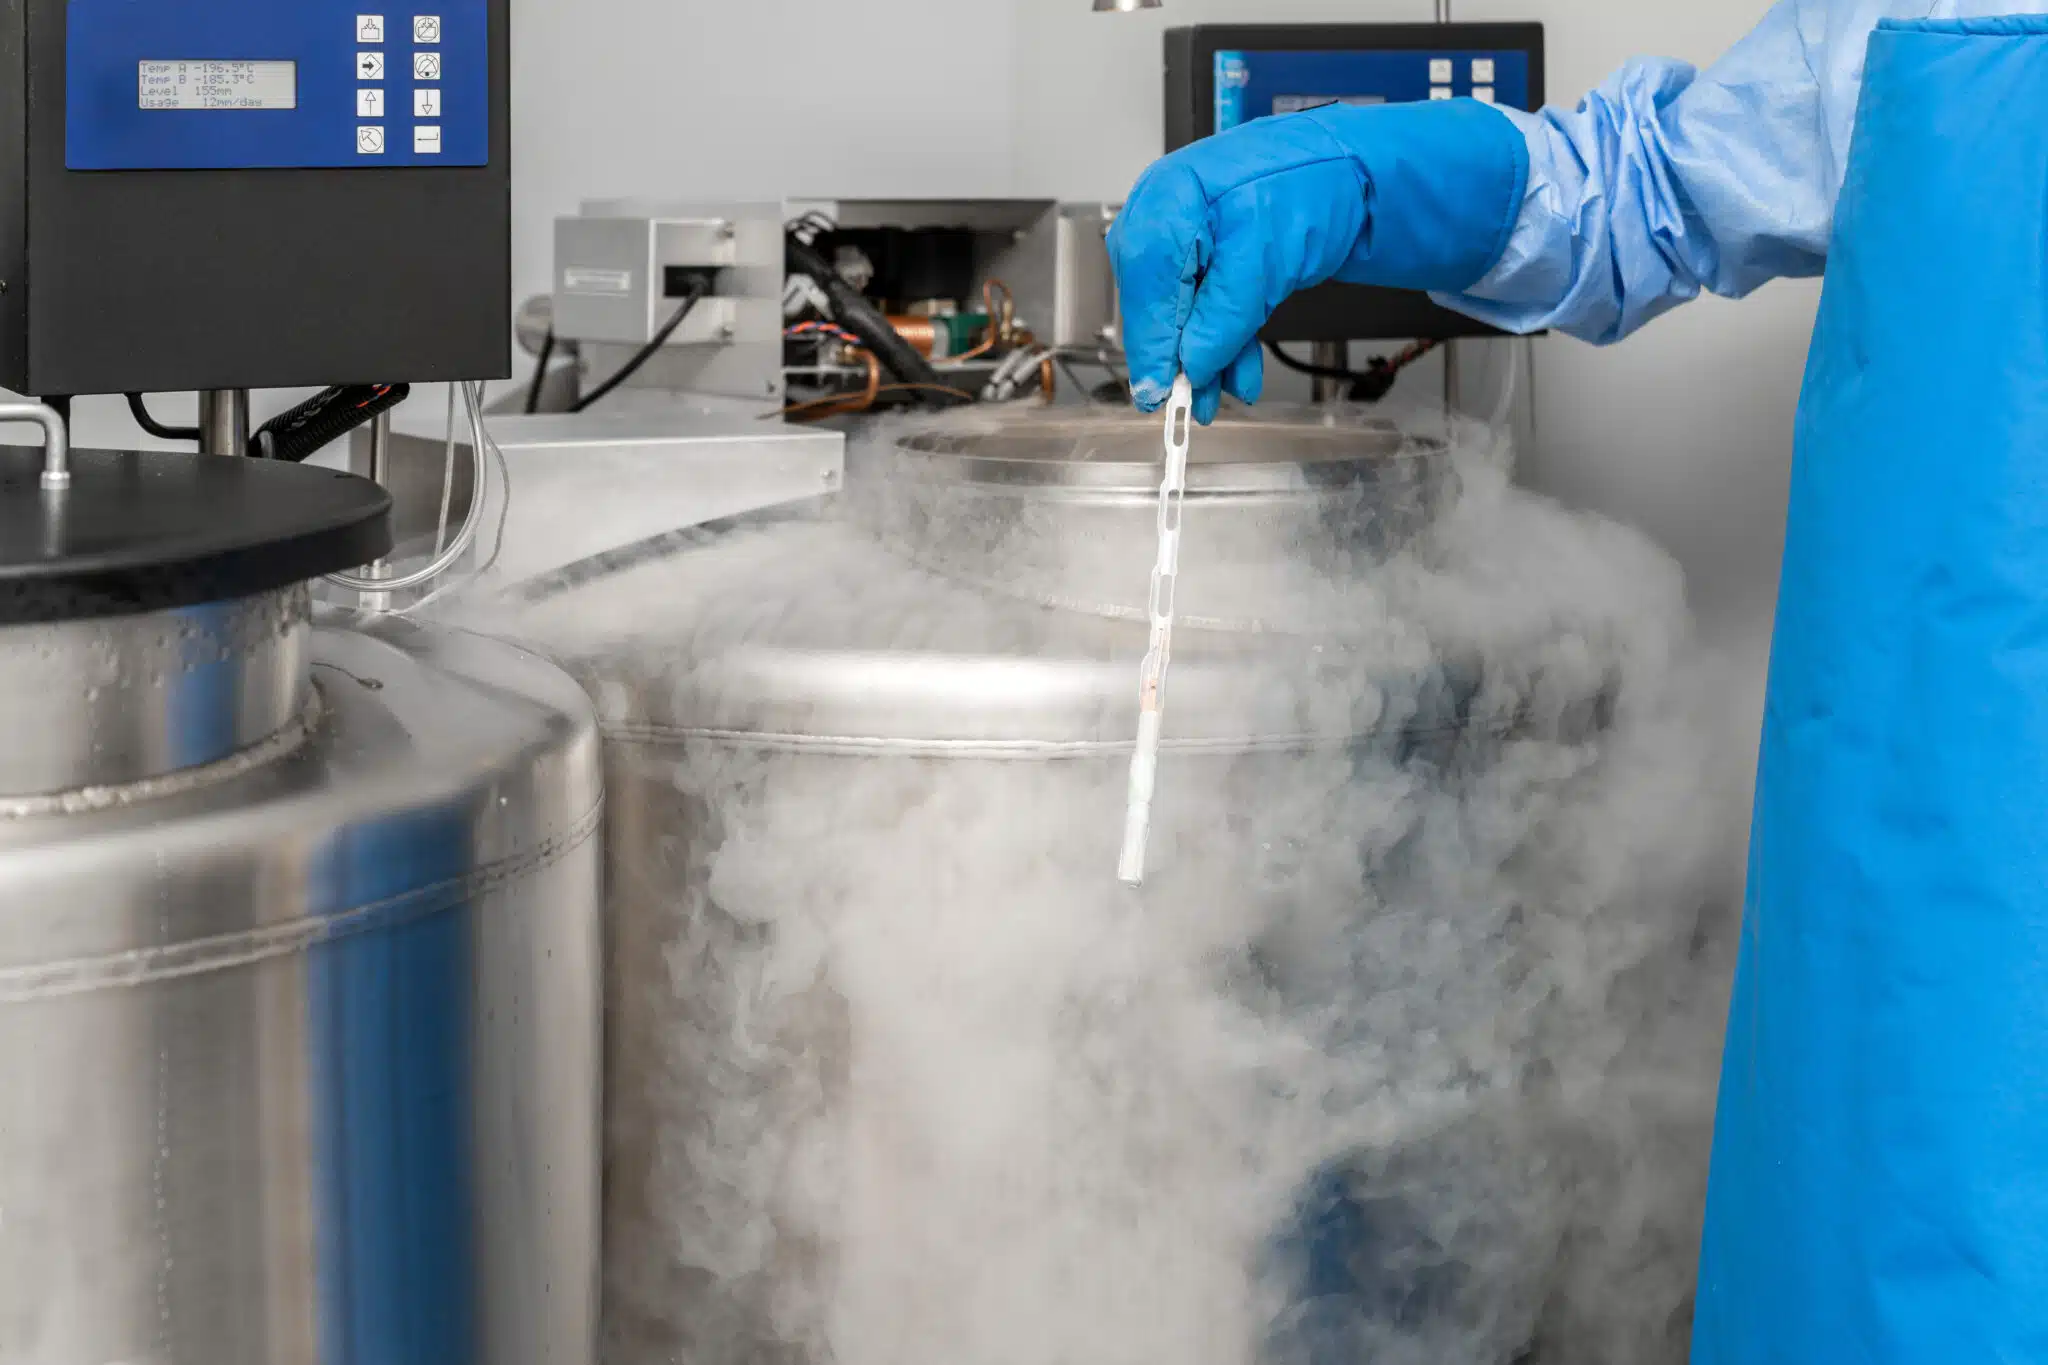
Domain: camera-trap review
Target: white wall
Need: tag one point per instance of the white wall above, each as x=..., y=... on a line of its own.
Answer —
x=753, y=99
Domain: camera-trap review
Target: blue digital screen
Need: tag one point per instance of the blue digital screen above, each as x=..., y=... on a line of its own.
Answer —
x=1252, y=85
x=276, y=84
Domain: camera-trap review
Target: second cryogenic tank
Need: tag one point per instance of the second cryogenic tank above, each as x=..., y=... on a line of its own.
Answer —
x=899, y=1073
x=299, y=1015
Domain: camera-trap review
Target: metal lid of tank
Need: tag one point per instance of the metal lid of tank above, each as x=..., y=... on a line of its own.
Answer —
x=1282, y=451
x=1283, y=515
x=142, y=531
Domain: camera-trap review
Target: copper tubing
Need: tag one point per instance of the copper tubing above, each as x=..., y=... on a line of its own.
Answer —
x=1046, y=379
x=998, y=323
x=856, y=403
x=922, y=333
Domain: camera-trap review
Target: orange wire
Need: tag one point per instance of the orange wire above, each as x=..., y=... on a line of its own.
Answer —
x=839, y=406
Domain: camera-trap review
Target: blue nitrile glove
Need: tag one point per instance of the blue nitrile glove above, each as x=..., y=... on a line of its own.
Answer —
x=1219, y=234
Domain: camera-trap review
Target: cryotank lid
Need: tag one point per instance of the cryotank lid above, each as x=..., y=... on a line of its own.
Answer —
x=1119, y=452
x=146, y=531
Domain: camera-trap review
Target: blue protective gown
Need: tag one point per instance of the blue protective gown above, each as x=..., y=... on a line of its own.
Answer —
x=1667, y=180
x=1880, y=1185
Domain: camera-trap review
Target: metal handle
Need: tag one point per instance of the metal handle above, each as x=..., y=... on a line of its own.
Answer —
x=56, y=441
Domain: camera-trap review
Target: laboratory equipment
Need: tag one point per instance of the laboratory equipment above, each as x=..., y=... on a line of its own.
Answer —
x=299, y=965
x=898, y=1071
x=324, y=188
x=1219, y=76
x=966, y=285
x=298, y=1006
x=582, y=486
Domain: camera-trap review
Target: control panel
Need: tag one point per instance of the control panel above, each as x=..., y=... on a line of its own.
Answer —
x=262, y=84
x=1252, y=84
x=1221, y=76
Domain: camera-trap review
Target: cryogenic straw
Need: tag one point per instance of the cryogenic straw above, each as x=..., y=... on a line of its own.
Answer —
x=1152, y=683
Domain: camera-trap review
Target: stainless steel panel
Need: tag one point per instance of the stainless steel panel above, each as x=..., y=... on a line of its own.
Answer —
x=301, y=1048
x=587, y=483
x=119, y=700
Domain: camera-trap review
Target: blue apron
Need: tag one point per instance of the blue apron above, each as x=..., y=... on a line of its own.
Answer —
x=1880, y=1180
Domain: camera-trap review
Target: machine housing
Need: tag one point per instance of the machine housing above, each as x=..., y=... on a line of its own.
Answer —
x=247, y=235
x=622, y=265
x=1219, y=75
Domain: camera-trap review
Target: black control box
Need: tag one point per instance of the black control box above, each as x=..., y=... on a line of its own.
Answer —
x=1221, y=75
x=211, y=258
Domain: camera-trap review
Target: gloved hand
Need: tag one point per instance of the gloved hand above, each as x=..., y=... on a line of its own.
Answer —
x=1218, y=235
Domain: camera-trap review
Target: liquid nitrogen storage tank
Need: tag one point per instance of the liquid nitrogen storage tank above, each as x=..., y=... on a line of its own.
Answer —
x=900, y=1075
x=299, y=949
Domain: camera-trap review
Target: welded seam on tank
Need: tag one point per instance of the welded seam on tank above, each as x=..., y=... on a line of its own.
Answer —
x=1222, y=625
x=86, y=800
x=1023, y=750
x=151, y=966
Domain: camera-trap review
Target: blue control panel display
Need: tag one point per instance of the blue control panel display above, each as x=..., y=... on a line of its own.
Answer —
x=1252, y=85
x=271, y=84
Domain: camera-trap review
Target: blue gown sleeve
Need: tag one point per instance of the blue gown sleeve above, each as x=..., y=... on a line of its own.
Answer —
x=1666, y=181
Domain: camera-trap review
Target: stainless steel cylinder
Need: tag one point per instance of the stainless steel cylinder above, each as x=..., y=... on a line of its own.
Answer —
x=897, y=1072
x=299, y=1013
x=224, y=422
x=108, y=702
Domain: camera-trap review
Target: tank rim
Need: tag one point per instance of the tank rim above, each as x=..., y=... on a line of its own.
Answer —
x=1120, y=454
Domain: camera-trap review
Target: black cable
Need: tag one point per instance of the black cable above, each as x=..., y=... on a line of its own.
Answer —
x=323, y=419
x=1367, y=386
x=1117, y=390
x=540, y=373
x=139, y=410
x=851, y=310
x=1311, y=369
x=698, y=288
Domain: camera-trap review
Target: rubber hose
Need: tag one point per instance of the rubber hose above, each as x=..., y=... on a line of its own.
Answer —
x=323, y=419
x=853, y=312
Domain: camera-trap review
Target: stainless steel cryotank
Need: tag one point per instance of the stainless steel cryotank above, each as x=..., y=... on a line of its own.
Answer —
x=898, y=1074
x=299, y=949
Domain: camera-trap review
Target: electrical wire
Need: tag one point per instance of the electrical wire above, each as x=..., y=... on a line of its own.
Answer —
x=472, y=521
x=540, y=374
x=504, y=469
x=447, y=477
x=861, y=402
x=698, y=288
x=323, y=419
x=139, y=410
x=1117, y=390
x=1368, y=385
x=854, y=311
x=816, y=221
x=804, y=331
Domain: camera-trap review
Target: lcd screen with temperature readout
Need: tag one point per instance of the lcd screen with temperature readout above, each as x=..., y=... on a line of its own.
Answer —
x=218, y=85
